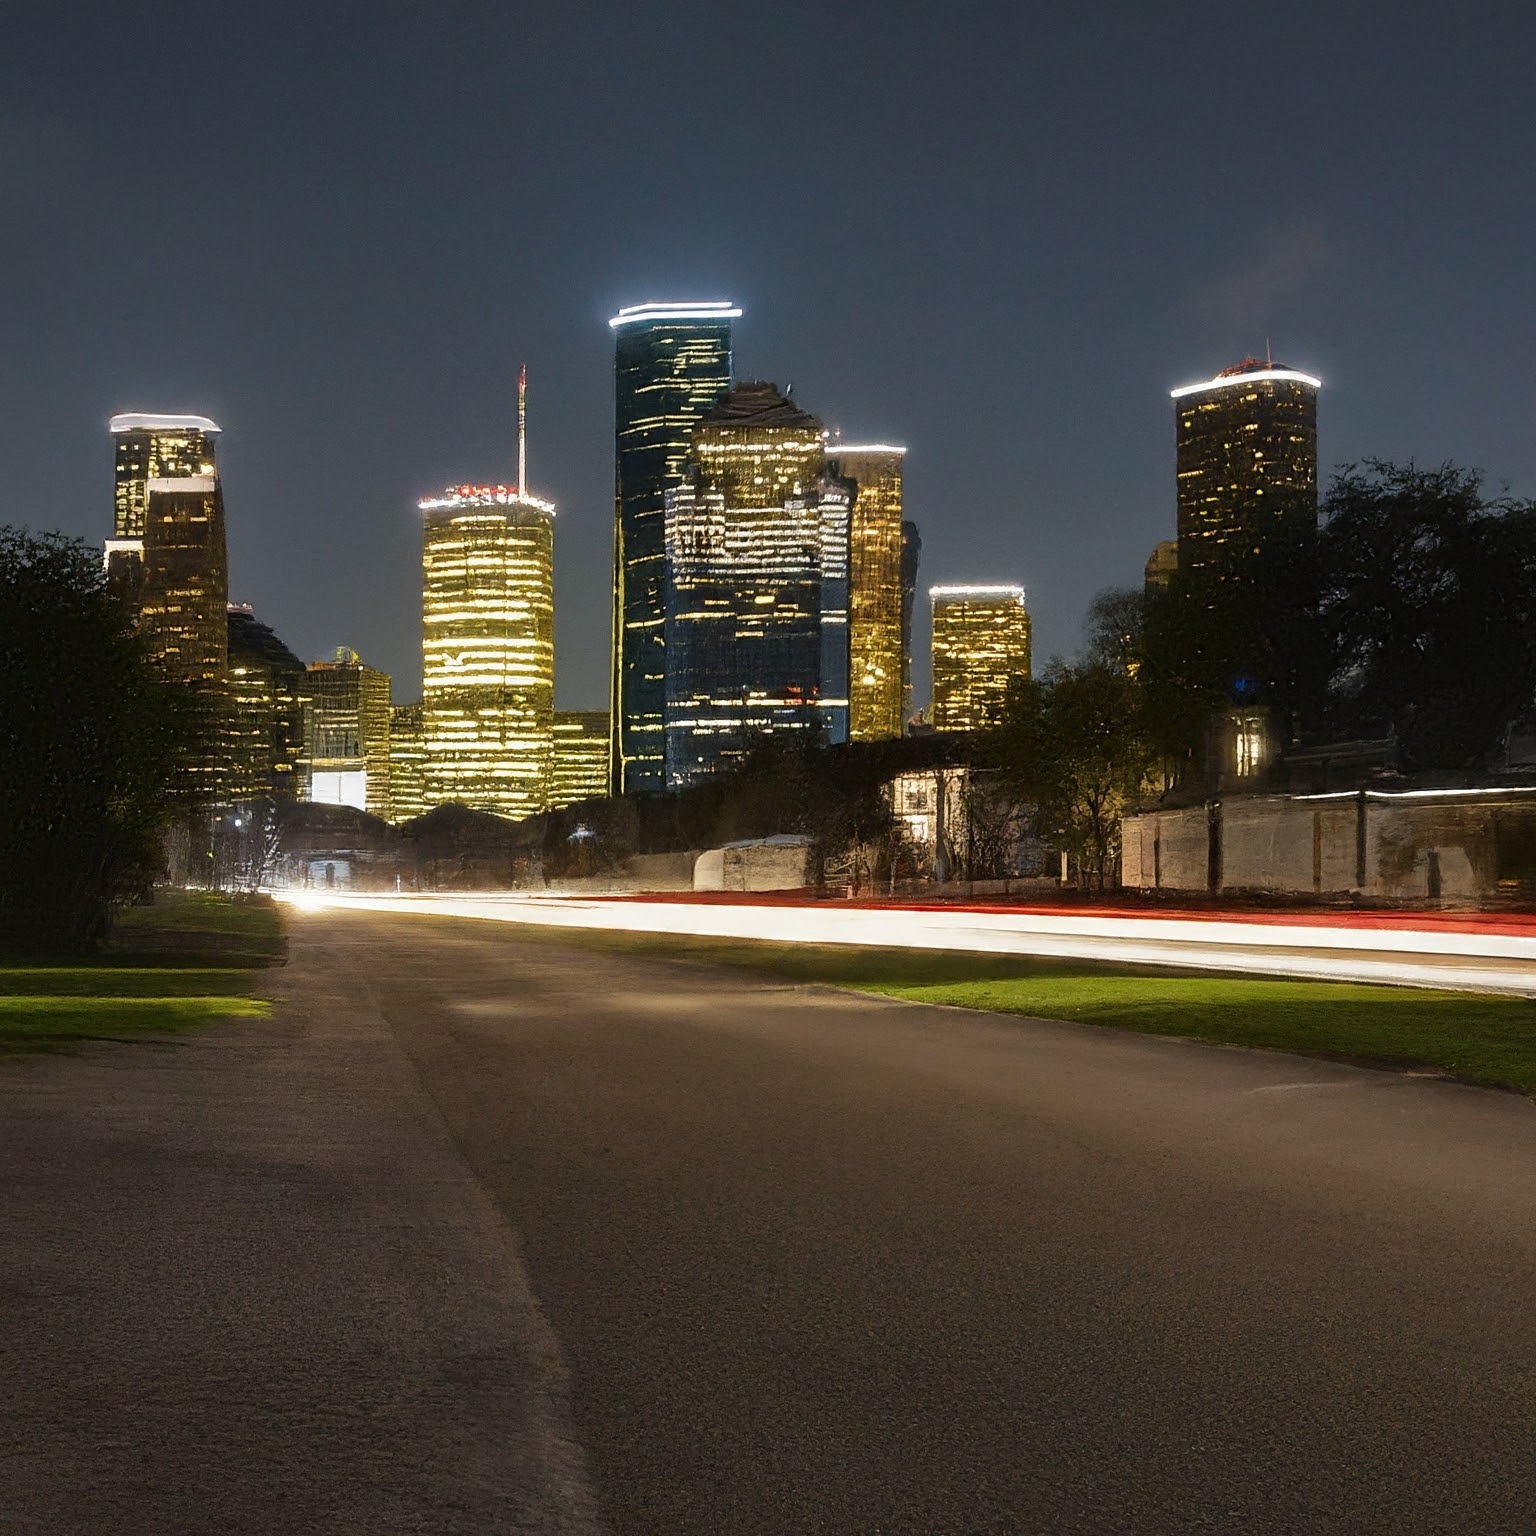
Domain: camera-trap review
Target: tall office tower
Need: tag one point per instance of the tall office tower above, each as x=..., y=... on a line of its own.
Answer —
x=875, y=643
x=1247, y=464
x=980, y=644
x=1162, y=566
x=671, y=363
x=346, y=734
x=756, y=547
x=407, y=764
x=911, y=555
x=266, y=711
x=581, y=757
x=150, y=447
x=488, y=648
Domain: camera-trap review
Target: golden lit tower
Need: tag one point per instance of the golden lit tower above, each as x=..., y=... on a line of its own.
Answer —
x=581, y=756
x=671, y=363
x=874, y=588
x=980, y=644
x=1247, y=464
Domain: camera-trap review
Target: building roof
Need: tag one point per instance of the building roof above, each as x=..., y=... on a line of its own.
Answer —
x=250, y=638
x=685, y=309
x=757, y=403
x=463, y=497
x=148, y=421
x=961, y=593
x=1251, y=370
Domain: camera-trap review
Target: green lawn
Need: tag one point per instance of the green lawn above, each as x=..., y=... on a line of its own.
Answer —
x=1477, y=1038
x=189, y=959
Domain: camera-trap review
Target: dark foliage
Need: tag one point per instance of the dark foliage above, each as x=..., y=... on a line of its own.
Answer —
x=1428, y=610
x=92, y=752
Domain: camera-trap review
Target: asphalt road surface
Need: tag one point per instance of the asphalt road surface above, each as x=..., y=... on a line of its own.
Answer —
x=482, y=1234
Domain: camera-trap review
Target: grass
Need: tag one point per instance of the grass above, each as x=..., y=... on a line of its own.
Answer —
x=1471, y=1037
x=190, y=959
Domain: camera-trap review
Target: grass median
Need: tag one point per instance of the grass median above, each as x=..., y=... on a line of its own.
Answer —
x=188, y=960
x=1471, y=1037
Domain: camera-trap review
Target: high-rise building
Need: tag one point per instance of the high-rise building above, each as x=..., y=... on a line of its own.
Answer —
x=581, y=757
x=875, y=644
x=671, y=363
x=407, y=763
x=911, y=556
x=980, y=645
x=488, y=648
x=1161, y=567
x=346, y=734
x=266, y=711
x=155, y=447
x=1247, y=464
x=757, y=550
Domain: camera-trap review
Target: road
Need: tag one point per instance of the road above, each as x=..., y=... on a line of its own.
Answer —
x=1465, y=952
x=483, y=1234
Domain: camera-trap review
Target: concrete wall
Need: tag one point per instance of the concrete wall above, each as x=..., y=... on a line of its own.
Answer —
x=753, y=867
x=1410, y=846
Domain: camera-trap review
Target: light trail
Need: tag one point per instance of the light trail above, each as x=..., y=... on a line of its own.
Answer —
x=1466, y=961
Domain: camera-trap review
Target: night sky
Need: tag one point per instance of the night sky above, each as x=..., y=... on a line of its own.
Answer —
x=998, y=235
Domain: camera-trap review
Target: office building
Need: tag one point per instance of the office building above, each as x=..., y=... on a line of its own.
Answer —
x=911, y=557
x=1161, y=567
x=581, y=757
x=266, y=712
x=875, y=603
x=155, y=447
x=980, y=645
x=407, y=763
x=488, y=648
x=1247, y=465
x=346, y=734
x=757, y=549
x=671, y=363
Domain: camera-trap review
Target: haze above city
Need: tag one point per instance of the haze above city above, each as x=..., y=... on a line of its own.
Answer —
x=339, y=230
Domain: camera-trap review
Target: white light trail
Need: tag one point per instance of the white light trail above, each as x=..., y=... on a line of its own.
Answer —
x=1417, y=957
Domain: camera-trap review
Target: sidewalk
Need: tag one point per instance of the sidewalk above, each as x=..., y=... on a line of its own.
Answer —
x=249, y=1286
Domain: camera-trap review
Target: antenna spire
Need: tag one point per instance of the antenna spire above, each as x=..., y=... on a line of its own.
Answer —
x=522, y=430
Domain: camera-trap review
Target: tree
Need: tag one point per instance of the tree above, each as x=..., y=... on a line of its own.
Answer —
x=91, y=753
x=1075, y=744
x=1428, y=610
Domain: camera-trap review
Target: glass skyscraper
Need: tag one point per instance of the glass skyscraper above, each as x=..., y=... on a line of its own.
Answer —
x=1247, y=464
x=488, y=648
x=875, y=669
x=266, y=711
x=671, y=363
x=757, y=616
x=581, y=757
x=346, y=734
x=980, y=644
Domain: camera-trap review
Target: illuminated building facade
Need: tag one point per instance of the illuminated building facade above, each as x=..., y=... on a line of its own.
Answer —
x=581, y=757
x=407, y=763
x=346, y=734
x=875, y=643
x=671, y=363
x=757, y=615
x=488, y=648
x=980, y=644
x=1162, y=566
x=152, y=447
x=266, y=711
x=1247, y=464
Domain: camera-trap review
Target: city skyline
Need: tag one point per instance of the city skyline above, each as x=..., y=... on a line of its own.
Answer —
x=351, y=301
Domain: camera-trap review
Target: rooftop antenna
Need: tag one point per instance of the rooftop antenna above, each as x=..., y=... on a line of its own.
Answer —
x=1269, y=360
x=522, y=430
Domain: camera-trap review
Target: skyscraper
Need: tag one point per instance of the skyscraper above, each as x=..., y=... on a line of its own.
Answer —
x=581, y=756
x=911, y=558
x=488, y=648
x=346, y=734
x=980, y=644
x=266, y=711
x=407, y=764
x=874, y=588
x=671, y=363
x=1247, y=464
x=168, y=547
x=757, y=550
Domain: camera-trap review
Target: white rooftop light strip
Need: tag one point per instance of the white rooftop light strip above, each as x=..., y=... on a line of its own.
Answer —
x=146, y=421
x=1257, y=377
x=181, y=485
x=833, y=449
x=456, y=499
x=710, y=309
x=1017, y=592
